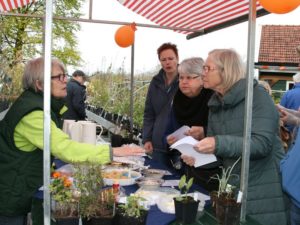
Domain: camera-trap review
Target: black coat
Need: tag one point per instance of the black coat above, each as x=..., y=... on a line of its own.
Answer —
x=75, y=101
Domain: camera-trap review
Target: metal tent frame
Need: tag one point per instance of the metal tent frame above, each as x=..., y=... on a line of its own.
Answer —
x=48, y=18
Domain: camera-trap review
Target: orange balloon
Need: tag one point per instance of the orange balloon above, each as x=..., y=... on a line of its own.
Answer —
x=279, y=6
x=124, y=36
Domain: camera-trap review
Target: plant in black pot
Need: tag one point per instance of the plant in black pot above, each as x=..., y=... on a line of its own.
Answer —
x=132, y=212
x=186, y=207
x=96, y=204
x=64, y=204
x=224, y=201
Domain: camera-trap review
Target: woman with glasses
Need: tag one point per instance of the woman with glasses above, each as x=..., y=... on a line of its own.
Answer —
x=189, y=107
x=21, y=142
x=224, y=72
x=161, y=91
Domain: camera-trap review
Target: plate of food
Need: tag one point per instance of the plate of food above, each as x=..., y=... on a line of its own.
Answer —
x=124, y=177
x=121, y=165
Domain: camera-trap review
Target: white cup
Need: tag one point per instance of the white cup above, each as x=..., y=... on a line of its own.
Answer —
x=82, y=131
x=66, y=126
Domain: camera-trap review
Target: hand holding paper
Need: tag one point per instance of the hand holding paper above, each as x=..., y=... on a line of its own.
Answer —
x=186, y=147
x=180, y=133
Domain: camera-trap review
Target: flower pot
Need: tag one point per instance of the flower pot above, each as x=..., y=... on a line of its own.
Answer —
x=213, y=200
x=66, y=221
x=121, y=219
x=98, y=221
x=228, y=211
x=186, y=211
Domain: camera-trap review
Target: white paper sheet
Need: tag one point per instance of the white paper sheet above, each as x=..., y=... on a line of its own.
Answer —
x=179, y=134
x=185, y=146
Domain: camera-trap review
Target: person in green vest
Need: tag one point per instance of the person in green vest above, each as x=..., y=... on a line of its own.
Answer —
x=21, y=142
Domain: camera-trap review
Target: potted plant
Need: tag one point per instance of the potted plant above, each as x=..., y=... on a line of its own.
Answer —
x=186, y=207
x=64, y=200
x=224, y=201
x=96, y=204
x=132, y=212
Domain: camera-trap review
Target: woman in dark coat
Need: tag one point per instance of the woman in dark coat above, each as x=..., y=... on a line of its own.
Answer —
x=161, y=91
x=224, y=72
x=190, y=108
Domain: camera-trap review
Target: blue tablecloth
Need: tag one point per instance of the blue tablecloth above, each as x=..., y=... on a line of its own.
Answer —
x=155, y=216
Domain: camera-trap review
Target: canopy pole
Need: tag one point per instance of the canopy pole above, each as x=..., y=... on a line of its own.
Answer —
x=47, y=103
x=131, y=90
x=90, y=9
x=248, y=108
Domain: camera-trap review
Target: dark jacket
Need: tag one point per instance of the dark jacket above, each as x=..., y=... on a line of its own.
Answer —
x=193, y=112
x=265, y=200
x=75, y=101
x=157, y=109
x=21, y=172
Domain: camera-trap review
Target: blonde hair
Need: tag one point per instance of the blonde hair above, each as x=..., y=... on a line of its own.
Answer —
x=266, y=86
x=230, y=65
x=34, y=71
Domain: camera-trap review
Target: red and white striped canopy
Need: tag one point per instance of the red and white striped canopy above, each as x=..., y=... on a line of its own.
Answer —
x=8, y=5
x=190, y=15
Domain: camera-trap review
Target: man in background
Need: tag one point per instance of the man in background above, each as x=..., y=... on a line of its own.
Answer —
x=76, y=95
x=291, y=98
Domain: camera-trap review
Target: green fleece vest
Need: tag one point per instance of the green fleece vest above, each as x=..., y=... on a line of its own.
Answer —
x=21, y=172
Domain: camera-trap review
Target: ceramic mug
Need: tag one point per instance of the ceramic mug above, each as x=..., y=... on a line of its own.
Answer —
x=84, y=131
x=89, y=132
x=66, y=126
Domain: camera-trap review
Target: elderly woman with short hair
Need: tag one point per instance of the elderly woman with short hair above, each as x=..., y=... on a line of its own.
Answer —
x=189, y=108
x=21, y=142
x=224, y=72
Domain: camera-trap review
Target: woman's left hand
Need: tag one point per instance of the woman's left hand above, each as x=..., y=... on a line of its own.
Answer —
x=206, y=145
x=188, y=160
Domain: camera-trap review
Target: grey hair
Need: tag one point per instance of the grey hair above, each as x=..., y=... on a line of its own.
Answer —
x=230, y=65
x=296, y=78
x=34, y=71
x=192, y=65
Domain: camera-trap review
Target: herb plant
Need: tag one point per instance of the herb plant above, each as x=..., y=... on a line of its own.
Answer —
x=184, y=187
x=133, y=206
x=224, y=187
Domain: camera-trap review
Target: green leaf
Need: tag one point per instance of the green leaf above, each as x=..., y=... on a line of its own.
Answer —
x=182, y=182
x=189, y=184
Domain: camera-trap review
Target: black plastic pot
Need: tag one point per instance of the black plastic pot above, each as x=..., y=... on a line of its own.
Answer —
x=66, y=221
x=98, y=221
x=186, y=211
x=121, y=219
x=228, y=211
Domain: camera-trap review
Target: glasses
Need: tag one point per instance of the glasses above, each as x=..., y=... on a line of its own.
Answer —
x=60, y=77
x=188, y=78
x=208, y=68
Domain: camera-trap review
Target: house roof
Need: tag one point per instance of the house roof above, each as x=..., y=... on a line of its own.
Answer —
x=278, y=44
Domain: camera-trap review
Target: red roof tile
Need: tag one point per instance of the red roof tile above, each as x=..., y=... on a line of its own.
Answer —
x=278, y=44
